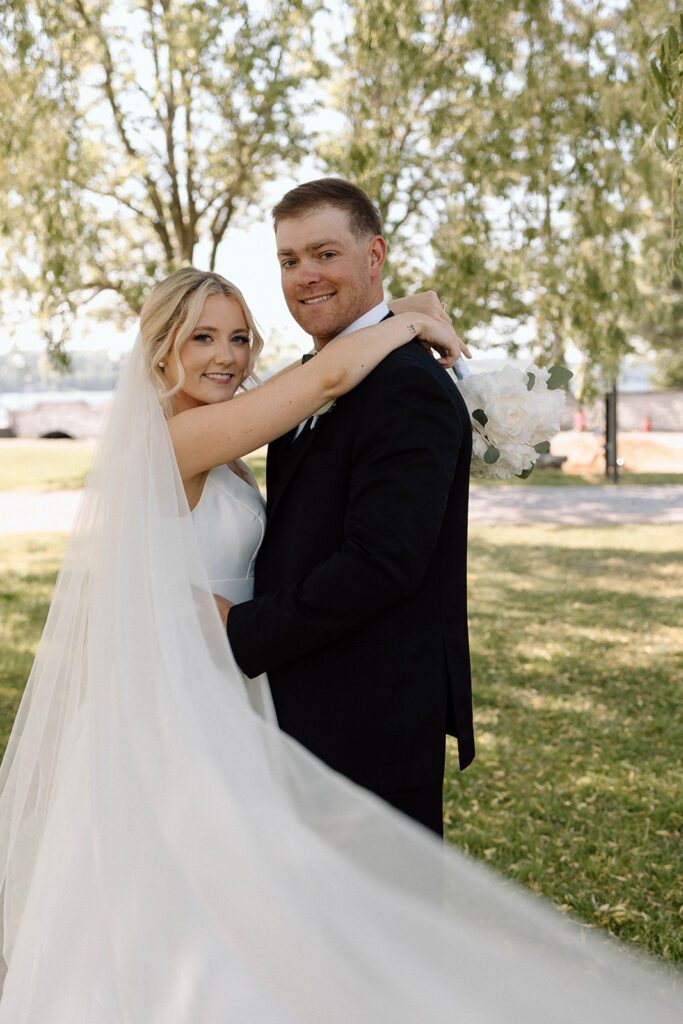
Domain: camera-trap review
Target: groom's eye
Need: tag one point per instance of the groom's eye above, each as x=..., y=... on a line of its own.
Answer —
x=326, y=255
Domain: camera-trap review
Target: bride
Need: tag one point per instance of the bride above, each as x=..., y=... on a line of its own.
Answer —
x=168, y=856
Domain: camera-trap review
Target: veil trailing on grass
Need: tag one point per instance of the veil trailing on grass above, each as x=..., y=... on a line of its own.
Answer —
x=168, y=857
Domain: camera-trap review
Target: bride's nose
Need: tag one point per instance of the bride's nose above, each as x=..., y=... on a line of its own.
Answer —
x=223, y=353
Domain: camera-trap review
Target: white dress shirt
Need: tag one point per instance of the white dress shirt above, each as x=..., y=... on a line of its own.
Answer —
x=369, y=319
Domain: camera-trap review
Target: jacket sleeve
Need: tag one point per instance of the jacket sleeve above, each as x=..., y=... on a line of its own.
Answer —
x=407, y=445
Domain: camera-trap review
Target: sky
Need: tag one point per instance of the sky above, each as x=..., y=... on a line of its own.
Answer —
x=247, y=258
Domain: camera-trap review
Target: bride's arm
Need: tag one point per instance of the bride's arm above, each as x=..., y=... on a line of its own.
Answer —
x=215, y=434
x=427, y=303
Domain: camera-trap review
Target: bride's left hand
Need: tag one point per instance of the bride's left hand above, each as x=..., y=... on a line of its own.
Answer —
x=429, y=303
x=223, y=608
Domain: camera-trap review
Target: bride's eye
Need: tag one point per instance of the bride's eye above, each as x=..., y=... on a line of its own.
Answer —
x=202, y=337
x=241, y=339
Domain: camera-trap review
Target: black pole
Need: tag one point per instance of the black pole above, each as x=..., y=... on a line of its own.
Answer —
x=611, y=467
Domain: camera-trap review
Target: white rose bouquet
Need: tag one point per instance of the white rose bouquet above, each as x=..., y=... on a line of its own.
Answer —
x=514, y=414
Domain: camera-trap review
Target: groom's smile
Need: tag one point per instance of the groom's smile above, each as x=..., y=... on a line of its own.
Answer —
x=330, y=276
x=317, y=299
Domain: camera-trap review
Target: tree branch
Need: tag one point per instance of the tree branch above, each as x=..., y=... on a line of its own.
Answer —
x=160, y=223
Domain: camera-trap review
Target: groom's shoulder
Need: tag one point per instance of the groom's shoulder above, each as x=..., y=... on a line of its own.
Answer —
x=413, y=378
x=411, y=366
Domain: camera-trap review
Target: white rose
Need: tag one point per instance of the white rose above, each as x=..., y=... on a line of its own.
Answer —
x=508, y=419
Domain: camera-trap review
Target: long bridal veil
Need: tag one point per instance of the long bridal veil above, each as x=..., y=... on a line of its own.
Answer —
x=168, y=857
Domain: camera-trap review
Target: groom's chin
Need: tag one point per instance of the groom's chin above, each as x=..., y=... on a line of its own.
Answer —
x=317, y=322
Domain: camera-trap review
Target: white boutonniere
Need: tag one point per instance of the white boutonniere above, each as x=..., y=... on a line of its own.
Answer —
x=328, y=407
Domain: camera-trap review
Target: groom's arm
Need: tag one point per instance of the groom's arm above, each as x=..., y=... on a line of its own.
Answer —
x=408, y=444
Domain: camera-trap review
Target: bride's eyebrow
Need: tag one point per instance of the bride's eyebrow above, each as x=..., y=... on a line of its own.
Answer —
x=201, y=328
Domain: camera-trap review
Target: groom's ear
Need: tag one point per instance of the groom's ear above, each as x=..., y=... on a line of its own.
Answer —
x=378, y=254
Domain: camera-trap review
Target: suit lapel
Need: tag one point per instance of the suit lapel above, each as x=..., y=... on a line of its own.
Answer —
x=277, y=453
x=288, y=457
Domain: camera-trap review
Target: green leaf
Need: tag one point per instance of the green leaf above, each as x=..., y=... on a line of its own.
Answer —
x=531, y=380
x=659, y=78
x=491, y=455
x=480, y=416
x=525, y=473
x=559, y=376
x=673, y=41
x=542, y=447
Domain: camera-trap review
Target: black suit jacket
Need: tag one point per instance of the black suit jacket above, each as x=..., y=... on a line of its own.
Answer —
x=359, y=614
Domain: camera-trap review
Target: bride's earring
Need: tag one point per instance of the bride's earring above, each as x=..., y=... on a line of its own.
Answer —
x=162, y=364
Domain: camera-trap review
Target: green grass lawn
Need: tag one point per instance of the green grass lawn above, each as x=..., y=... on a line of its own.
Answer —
x=556, y=478
x=577, y=648
x=49, y=465
x=63, y=465
x=576, y=644
x=54, y=465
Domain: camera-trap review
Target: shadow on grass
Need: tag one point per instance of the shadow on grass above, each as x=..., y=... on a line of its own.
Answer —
x=576, y=653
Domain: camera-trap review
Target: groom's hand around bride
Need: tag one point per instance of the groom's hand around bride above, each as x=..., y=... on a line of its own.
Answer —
x=223, y=608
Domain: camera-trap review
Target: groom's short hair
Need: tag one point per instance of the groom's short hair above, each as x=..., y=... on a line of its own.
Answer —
x=364, y=217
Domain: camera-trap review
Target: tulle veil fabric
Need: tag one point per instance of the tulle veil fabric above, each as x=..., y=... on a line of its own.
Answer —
x=169, y=857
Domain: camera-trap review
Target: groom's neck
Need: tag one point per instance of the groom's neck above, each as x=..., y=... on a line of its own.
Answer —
x=350, y=325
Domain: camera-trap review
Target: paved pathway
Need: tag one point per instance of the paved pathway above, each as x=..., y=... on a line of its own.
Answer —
x=29, y=511
x=610, y=503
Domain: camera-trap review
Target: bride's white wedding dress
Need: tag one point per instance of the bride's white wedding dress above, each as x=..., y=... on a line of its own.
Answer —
x=167, y=856
x=229, y=521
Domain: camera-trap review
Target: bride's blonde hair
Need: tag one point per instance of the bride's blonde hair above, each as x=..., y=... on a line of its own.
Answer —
x=171, y=313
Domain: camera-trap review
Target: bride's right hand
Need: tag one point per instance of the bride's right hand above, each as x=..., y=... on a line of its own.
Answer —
x=437, y=335
x=429, y=304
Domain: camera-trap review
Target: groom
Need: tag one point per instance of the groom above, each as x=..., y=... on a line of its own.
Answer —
x=359, y=615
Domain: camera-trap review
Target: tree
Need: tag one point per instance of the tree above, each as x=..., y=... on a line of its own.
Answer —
x=526, y=121
x=415, y=81
x=136, y=134
x=664, y=325
x=667, y=72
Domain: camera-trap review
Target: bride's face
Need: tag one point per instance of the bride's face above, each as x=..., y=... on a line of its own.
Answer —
x=215, y=356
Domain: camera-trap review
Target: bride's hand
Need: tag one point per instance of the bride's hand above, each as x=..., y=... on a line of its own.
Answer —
x=429, y=304
x=223, y=608
x=441, y=337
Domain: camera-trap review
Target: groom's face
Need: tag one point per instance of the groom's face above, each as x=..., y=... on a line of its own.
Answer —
x=330, y=276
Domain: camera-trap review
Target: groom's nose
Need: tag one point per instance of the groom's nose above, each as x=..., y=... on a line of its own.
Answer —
x=309, y=271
